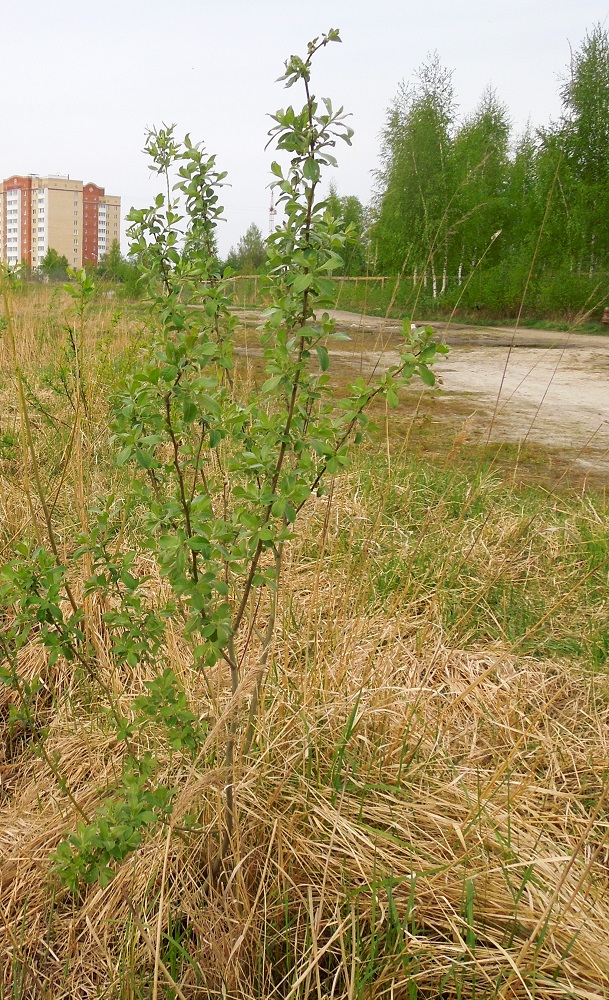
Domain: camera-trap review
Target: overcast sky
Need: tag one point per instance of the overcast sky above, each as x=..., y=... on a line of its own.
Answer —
x=81, y=82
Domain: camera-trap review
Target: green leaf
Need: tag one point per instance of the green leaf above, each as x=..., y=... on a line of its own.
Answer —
x=311, y=169
x=189, y=411
x=301, y=283
x=271, y=383
x=426, y=374
x=326, y=287
x=144, y=459
x=392, y=398
x=324, y=358
x=212, y=405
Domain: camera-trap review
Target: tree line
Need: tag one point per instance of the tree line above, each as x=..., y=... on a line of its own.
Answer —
x=464, y=205
x=470, y=214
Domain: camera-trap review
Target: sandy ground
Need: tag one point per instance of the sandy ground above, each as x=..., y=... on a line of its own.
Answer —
x=522, y=386
x=542, y=387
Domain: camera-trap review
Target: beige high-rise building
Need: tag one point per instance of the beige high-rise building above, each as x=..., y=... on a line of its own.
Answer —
x=38, y=214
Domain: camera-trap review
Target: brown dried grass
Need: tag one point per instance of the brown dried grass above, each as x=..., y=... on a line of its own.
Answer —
x=415, y=820
x=384, y=788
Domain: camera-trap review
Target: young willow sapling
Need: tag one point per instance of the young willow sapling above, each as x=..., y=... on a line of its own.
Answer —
x=222, y=470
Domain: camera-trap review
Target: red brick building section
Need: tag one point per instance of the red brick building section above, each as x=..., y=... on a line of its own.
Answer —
x=91, y=195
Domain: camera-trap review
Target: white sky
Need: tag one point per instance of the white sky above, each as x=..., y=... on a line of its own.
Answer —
x=81, y=82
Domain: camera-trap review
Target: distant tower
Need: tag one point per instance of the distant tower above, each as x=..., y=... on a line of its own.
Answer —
x=272, y=214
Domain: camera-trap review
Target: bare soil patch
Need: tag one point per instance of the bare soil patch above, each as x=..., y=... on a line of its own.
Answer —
x=521, y=386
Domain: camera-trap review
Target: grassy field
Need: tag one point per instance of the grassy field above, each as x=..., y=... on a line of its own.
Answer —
x=423, y=810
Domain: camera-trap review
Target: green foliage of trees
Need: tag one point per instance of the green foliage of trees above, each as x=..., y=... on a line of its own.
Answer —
x=479, y=178
x=463, y=203
x=54, y=266
x=250, y=254
x=112, y=265
x=583, y=137
x=350, y=214
x=414, y=181
x=115, y=268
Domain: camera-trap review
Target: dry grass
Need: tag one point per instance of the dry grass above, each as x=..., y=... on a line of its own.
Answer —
x=42, y=313
x=422, y=814
x=409, y=824
x=46, y=332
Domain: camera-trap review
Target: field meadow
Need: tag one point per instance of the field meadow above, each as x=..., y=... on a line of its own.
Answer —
x=421, y=809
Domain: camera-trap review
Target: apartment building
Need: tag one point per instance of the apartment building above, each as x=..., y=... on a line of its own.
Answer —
x=79, y=221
